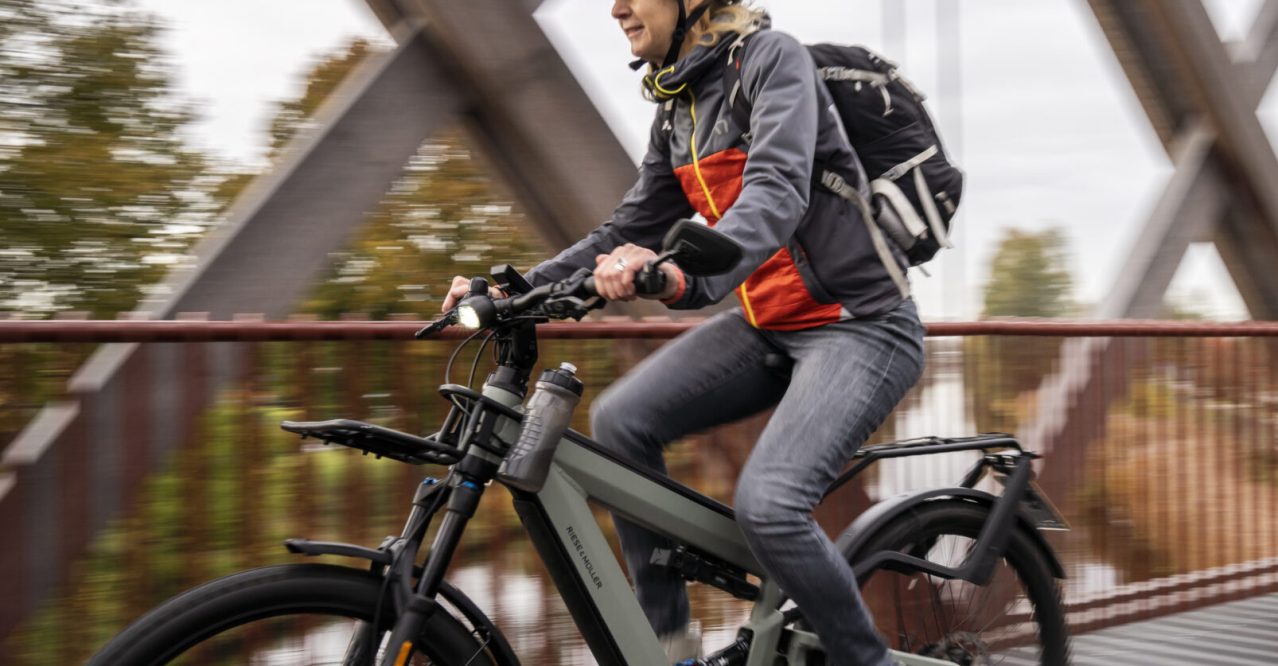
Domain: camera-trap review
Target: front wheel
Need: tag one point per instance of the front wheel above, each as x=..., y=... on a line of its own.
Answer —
x=1016, y=618
x=294, y=614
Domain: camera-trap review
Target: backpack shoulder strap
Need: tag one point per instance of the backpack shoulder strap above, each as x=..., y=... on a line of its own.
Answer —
x=736, y=97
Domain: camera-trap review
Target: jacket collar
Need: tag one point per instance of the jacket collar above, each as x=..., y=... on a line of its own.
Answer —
x=672, y=81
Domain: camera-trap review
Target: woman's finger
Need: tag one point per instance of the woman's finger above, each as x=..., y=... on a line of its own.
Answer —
x=458, y=289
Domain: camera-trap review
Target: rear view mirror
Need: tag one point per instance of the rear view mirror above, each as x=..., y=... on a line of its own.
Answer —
x=699, y=250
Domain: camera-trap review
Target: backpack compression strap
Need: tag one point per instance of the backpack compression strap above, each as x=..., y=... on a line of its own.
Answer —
x=836, y=184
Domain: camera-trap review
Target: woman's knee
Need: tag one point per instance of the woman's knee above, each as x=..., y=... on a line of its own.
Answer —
x=770, y=503
x=616, y=425
x=606, y=419
x=761, y=508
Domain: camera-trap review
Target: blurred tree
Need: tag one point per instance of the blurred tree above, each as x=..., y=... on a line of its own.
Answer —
x=445, y=216
x=1029, y=276
x=98, y=194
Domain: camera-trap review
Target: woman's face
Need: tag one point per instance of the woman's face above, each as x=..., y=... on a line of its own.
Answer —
x=648, y=25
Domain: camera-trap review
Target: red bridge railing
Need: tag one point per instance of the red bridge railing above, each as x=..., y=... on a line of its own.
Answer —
x=253, y=330
x=1174, y=504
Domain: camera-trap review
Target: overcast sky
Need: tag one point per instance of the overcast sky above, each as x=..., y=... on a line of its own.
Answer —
x=1047, y=126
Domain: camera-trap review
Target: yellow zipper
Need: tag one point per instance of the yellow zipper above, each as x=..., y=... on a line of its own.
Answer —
x=745, y=303
x=696, y=163
x=696, y=168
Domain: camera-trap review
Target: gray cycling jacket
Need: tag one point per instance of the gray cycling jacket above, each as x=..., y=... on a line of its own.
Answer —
x=809, y=257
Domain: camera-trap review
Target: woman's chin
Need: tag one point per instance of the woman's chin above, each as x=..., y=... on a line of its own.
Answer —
x=639, y=49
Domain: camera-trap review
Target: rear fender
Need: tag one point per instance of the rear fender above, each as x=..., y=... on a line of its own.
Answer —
x=876, y=517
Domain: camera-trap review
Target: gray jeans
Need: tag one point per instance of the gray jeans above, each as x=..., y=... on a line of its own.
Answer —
x=847, y=377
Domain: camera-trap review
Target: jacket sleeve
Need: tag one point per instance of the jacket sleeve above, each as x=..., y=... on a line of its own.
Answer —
x=647, y=211
x=779, y=79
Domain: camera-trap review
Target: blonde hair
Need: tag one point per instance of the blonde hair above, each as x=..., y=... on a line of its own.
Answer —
x=723, y=18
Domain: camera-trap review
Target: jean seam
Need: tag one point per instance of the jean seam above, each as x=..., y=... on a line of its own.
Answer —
x=887, y=367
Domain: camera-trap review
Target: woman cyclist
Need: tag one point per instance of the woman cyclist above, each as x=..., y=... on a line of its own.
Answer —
x=811, y=286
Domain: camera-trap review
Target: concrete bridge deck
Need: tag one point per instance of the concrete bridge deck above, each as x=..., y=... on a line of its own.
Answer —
x=1237, y=633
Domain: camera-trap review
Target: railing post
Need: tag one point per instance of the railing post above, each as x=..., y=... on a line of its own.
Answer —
x=354, y=486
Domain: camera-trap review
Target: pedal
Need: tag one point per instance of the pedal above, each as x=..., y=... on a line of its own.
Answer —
x=703, y=569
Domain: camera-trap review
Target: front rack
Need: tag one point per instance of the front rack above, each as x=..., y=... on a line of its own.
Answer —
x=440, y=448
x=377, y=440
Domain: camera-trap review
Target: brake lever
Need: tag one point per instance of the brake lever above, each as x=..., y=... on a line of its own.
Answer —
x=565, y=307
x=438, y=325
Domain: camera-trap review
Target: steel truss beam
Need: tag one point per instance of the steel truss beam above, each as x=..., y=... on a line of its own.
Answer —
x=1202, y=106
x=1200, y=96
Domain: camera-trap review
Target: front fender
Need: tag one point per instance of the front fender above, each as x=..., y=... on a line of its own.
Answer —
x=500, y=647
x=879, y=515
x=496, y=641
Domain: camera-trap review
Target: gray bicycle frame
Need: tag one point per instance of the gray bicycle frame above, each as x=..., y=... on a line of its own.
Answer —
x=598, y=595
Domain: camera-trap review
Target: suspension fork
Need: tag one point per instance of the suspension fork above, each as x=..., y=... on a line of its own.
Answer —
x=465, y=487
x=421, y=605
x=399, y=572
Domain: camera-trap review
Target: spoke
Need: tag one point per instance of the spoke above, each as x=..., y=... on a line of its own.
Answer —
x=901, y=630
x=966, y=619
x=482, y=646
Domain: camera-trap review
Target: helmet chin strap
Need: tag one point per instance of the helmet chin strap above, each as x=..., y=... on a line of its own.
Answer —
x=682, y=26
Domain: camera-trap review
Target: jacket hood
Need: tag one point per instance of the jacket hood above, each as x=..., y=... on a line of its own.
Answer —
x=671, y=81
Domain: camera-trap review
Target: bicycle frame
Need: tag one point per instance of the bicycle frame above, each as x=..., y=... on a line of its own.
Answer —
x=482, y=428
x=563, y=529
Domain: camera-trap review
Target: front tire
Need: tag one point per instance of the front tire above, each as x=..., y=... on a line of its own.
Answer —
x=296, y=614
x=1018, y=614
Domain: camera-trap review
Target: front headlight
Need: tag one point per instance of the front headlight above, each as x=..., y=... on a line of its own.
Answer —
x=468, y=317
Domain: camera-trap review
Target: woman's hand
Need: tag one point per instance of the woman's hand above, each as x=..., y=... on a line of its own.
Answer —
x=615, y=273
x=460, y=288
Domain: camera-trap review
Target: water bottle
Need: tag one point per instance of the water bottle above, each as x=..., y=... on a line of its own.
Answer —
x=550, y=408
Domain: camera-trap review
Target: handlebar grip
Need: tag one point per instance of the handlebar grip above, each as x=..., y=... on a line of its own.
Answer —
x=649, y=281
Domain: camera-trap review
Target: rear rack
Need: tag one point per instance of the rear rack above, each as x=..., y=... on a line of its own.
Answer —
x=377, y=440
x=911, y=447
x=926, y=446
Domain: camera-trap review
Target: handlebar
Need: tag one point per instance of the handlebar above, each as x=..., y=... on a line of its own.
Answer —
x=572, y=297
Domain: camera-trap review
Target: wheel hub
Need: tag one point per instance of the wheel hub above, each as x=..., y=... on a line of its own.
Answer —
x=961, y=647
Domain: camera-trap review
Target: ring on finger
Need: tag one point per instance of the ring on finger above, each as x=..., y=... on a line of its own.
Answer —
x=620, y=265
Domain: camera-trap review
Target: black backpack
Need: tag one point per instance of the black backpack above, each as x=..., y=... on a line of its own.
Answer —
x=915, y=188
